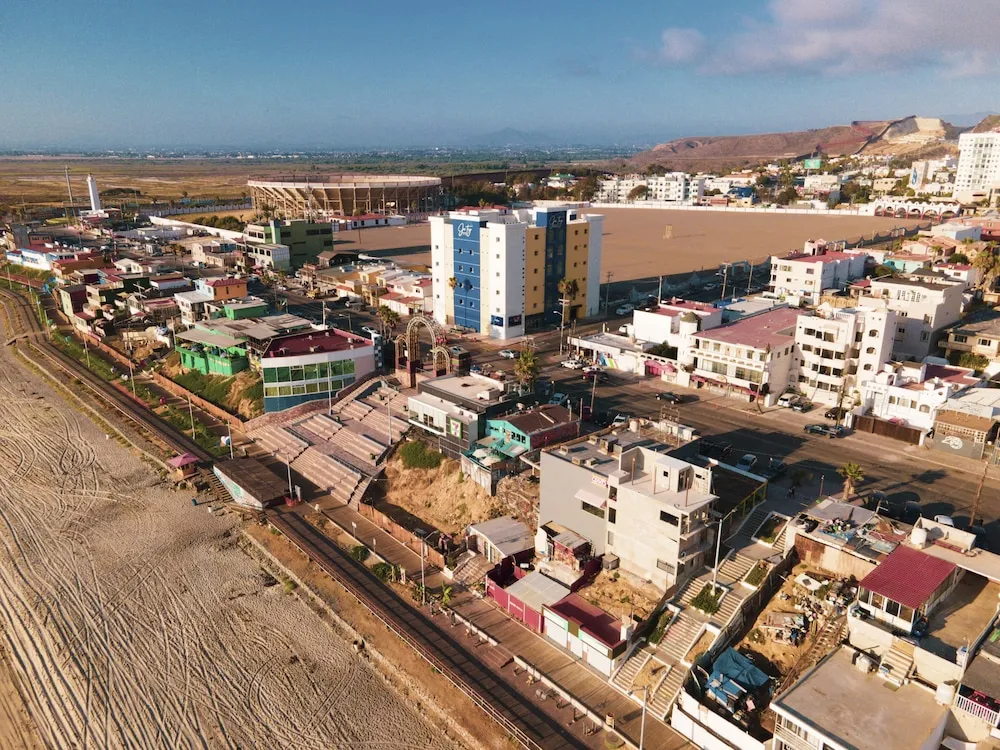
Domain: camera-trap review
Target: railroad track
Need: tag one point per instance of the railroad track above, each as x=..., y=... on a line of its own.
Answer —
x=23, y=324
x=526, y=723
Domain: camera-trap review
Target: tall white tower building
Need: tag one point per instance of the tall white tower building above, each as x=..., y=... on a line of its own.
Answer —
x=95, y=199
x=978, y=165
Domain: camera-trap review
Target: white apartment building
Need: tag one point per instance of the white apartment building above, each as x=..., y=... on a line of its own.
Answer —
x=631, y=500
x=754, y=356
x=822, y=183
x=922, y=309
x=662, y=324
x=839, y=349
x=978, y=172
x=674, y=187
x=912, y=392
x=497, y=272
x=805, y=275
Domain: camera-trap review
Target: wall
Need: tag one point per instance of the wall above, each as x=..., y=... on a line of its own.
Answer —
x=403, y=535
x=560, y=481
x=831, y=559
x=708, y=730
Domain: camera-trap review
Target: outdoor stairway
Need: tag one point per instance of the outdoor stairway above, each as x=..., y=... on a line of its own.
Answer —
x=280, y=441
x=472, y=569
x=897, y=662
x=304, y=433
x=217, y=488
x=358, y=495
x=328, y=474
x=665, y=694
x=683, y=633
x=321, y=425
x=779, y=543
x=749, y=527
x=625, y=676
x=728, y=606
x=355, y=410
x=666, y=691
x=735, y=567
x=690, y=590
x=378, y=421
x=364, y=449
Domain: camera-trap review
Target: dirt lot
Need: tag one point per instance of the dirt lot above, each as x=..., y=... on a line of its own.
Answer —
x=134, y=620
x=634, y=247
x=626, y=594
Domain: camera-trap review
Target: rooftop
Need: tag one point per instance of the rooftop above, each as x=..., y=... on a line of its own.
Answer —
x=860, y=710
x=537, y=589
x=823, y=258
x=908, y=576
x=472, y=387
x=904, y=281
x=986, y=325
x=983, y=673
x=310, y=342
x=507, y=534
x=592, y=620
x=611, y=341
x=773, y=329
x=541, y=418
x=212, y=338
x=599, y=453
x=254, y=477
x=961, y=419
x=448, y=407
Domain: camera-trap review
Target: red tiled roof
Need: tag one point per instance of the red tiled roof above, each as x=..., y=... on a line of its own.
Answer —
x=332, y=340
x=908, y=576
x=225, y=282
x=592, y=620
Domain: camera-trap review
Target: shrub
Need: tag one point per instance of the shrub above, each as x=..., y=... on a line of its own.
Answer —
x=289, y=585
x=360, y=553
x=661, y=626
x=416, y=455
x=707, y=600
x=757, y=573
x=384, y=572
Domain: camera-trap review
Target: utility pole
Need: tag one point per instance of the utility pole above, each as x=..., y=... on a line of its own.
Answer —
x=607, y=293
x=659, y=290
x=749, y=277
x=191, y=414
x=230, y=427
x=979, y=493
x=593, y=393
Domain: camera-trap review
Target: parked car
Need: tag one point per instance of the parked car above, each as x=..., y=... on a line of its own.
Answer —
x=944, y=520
x=670, y=398
x=834, y=413
x=802, y=406
x=598, y=375
x=476, y=369
x=619, y=420
x=508, y=354
x=559, y=399
x=370, y=331
x=586, y=413
x=787, y=399
x=774, y=469
x=747, y=462
x=593, y=368
x=624, y=309
x=573, y=364
x=831, y=431
x=982, y=541
x=456, y=349
x=714, y=448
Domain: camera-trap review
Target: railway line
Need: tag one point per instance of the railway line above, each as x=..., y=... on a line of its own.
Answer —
x=24, y=325
x=531, y=727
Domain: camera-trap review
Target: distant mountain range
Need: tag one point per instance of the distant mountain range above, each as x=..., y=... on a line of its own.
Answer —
x=913, y=136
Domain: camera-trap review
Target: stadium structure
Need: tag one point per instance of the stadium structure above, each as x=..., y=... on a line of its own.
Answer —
x=346, y=195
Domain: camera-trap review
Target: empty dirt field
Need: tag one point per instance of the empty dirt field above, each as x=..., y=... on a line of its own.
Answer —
x=132, y=619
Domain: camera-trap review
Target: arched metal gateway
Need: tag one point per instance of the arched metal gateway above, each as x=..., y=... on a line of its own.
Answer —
x=407, y=348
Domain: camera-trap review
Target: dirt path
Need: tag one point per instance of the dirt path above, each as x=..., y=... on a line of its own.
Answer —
x=133, y=620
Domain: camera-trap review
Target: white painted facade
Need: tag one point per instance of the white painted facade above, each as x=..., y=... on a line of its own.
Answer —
x=662, y=324
x=978, y=164
x=922, y=309
x=675, y=187
x=806, y=276
x=913, y=392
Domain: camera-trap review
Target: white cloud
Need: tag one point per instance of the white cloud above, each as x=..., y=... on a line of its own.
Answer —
x=680, y=45
x=953, y=38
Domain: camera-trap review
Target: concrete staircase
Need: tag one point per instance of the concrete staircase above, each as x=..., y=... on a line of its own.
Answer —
x=735, y=567
x=683, y=633
x=625, y=676
x=749, y=527
x=897, y=662
x=667, y=692
x=728, y=606
x=471, y=569
x=328, y=474
x=782, y=540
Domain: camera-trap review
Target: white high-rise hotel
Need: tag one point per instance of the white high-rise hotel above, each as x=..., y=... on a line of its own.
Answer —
x=978, y=165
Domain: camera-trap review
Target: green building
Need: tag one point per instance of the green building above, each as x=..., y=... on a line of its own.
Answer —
x=304, y=239
x=211, y=352
x=239, y=309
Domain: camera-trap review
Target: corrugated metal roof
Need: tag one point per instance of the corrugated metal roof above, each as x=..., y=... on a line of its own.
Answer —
x=908, y=576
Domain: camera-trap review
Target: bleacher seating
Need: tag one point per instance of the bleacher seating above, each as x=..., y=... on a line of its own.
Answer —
x=328, y=474
x=275, y=439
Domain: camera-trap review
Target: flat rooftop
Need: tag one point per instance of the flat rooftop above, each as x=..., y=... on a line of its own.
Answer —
x=593, y=453
x=988, y=324
x=860, y=710
x=774, y=329
x=309, y=342
x=964, y=614
x=611, y=341
x=469, y=387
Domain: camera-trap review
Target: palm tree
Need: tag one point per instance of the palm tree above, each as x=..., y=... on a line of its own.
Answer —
x=389, y=318
x=853, y=475
x=526, y=368
x=445, y=595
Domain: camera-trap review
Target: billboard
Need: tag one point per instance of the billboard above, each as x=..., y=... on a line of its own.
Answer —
x=812, y=163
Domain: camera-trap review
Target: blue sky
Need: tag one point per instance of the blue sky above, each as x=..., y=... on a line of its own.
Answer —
x=117, y=73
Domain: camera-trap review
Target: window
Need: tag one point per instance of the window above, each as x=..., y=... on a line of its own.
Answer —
x=925, y=409
x=612, y=515
x=960, y=339
x=877, y=600
x=892, y=607
x=870, y=350
x=867, y=367
x=670, y=519
x=665, y=566
x=873, y=333
x=983, y=342
x=591, y=509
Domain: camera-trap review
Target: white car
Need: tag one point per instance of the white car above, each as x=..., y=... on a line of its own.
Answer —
x=508, y=354
x=624, y=309
x=747, y=462
x=559, y=399
x=620, y=420
x=573, y=364
x=370, y=331
x=593, y=368
x=787, y=399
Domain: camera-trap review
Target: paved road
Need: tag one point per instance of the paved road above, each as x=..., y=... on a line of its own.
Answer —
x=529, y=723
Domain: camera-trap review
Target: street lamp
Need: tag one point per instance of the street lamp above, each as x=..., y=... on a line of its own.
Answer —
x=642, y=726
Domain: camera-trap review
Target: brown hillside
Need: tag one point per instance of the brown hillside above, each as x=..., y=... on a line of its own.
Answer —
x=992, y=122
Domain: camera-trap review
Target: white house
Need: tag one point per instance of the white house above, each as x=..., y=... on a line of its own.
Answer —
x=912, y=392
x=806, y=275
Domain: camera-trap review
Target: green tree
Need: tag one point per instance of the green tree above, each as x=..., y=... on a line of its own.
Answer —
x=853, y=475
x=786, y=196
x=960, y=258
x=388, y=318
x=526, y=368
x=639, y=192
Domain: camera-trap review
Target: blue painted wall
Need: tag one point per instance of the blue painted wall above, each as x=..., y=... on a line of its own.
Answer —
x=465, y=234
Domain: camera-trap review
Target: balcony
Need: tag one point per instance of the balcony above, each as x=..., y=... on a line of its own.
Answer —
x=790, y=739
x=988, y=715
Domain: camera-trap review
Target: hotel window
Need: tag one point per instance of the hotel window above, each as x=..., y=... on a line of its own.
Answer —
x=592, y=509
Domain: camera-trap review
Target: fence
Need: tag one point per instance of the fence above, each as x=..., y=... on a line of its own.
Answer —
x=403, y=535
x=877, y=426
